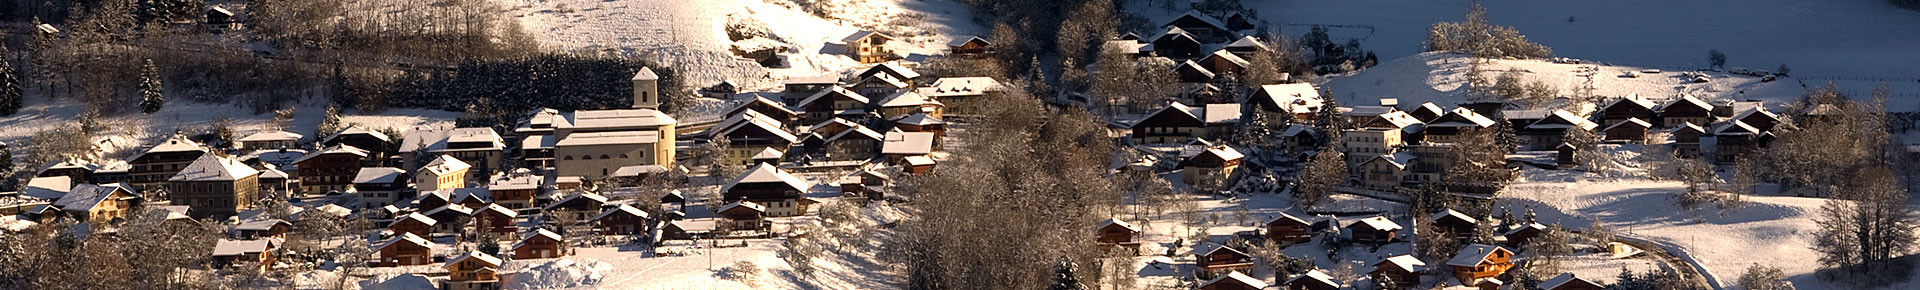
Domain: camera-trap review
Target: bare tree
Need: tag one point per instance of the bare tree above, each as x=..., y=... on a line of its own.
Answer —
x=1866, y=229
x=1327, y=170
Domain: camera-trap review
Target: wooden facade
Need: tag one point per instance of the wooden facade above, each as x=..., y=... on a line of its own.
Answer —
x=541, y=244
x=1221, y=259
x=1478, y=261
x=406, y=249
x=1288, y=230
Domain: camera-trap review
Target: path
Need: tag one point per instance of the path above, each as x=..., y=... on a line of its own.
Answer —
x=1673, y=258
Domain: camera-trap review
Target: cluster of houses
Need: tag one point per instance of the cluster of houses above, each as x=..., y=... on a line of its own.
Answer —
x=1483, y=266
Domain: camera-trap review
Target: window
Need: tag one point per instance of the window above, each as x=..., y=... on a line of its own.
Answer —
x=604, y=156
x=624, y=156
x=568, y=157
x=586, y=157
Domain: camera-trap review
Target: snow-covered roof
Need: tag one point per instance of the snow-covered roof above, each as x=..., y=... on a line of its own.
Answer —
x=1471, y=255
x=494, y=207
x=539, y=142
x=1116, y=221
x=227, y=247
x=1534, y=226
x=767, y=173
x=756, y=119
x=857, y=35
x=1248, y=42
x=1406, y=263
x=453, y=207
x=907, y=98
x=910, y=143
x=1633, y=100
x=1735, y=128
x=920, y=119
x=587, y=195
x=476, y=135
x=476, y=255
x=460, y=195
x=884, y=79
x=212, y=167
x=622, y=209
x=369, y=175
x=637, y=170
x=333, y=210
x=1237, y=277
x=1379, y=223
x=261, y=225
x=1297, y=129
x=1202, y=17
x=918, y=160
x=824, y=79
x=610, y=138
x=1690, y=100
x=645, y=74
x=589, y=119
x=1402, y=120
x=48, y=187
x=835, y=90
x=1462, y=117
x=1687, y=126
x=358, y=130
x=84, y=197
x=404, y=237
x=1455, y=214
x=891, y=69
x=335, y=149
x=1220, y=113
x=1290, y=217
x=745, y=204
x=1226, y=55
x=1634, y=121
x=1317, y=276
x=962, y=86
x=763, y=100
x=963, y=40
x=768, y=153
x=1296, y=98
x=176, y=143
x=1224, y=152
x=275, y=135
x=417, y=217
x=1368, y=111
x=1562, y=119
x=1189, y=64
x=444, y=165
x=1562, y=280
x=1397, y=159
x=543, y=233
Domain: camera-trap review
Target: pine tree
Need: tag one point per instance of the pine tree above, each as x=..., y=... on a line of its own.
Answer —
x=1063, y=277
x=1503, y=134
x=12, y=94
x=330, y=123
x=150, y=90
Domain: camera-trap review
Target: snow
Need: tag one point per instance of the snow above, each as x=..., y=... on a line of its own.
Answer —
x=559, y=273
x=1440, y=77
x=399, y=282
x=128, y=131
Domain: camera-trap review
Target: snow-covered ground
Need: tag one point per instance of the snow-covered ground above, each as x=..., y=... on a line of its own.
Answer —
x=128, y=131
x=692, y=33
x=1441, y=77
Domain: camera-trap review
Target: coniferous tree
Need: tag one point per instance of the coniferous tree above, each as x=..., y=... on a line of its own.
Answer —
x=1503, y=134
x=330, y=123
x=151, y=97
x=12, y=94
x=1063, y=276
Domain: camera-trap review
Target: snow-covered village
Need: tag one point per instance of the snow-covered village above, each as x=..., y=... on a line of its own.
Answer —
x=959, y=144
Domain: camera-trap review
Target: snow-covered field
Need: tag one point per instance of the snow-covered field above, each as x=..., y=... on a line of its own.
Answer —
x=692, y=33
x=1440, y=78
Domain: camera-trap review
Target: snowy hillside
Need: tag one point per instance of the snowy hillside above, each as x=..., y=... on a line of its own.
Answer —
x=693, y=33
x=1441, y=78
x=127, y=131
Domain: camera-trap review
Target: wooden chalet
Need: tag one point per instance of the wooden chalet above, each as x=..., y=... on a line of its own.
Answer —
x=857, y=143
x=496, y=219
x=1426, y=112
x=1246, y=46
x=832, y=103
x=450, y=217
x=1632, y=130
x=1312, y=280
x=1462, y=226
x=751, y=132
x=1686, y=140
x=1448, y=128
x=1174, y=124
x=1404, y=270
x=472, y=271
x=921, y=164
x=251, y=253
x=1519, y=235
x=921, y=122
x=1759, y=118
x=1374, y=230
x=1201, y=25
x=1223, y=62
x=1212, y=169
x=1176, y=43
x=1736, y=139
x=578, y=206
x=799, y=88
x=968, y=46
x=1685, y=110
x=515, y=191
x=868, y=46
x=1287, y=229
x=898, y=146
x=413, y=223
x=152, y=168
x=1113, y=233
x=215, y=186
x=378, y=145
x=405, y=249
x=1630, y=107
x=908, y=102
x=540, y=244
x=772, y=190
x=378, y=186
x=1300, y=100
x=768, y=107
x=1478, y=262
x=1386, y=171
x=1193, y=72
x=622, y=220
x=1551, y=131
x=97, y=203
x=268, y=228
x=1218, y=260
x=1567, y=281
x=746, y=215
x=1233, y=280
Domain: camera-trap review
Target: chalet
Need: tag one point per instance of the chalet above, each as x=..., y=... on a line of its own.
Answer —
x=1566, y=281
x=443, y=173
x=909, y=102
x=1300, y=138
x=215, y=186
x=682, y=230
x=274, y=139
x=480, y=148
x=859, y=143
x=1237, y=21
x=450, y=217
x=472, y=271
x=1358, y=116
x=766, y=107
x=1176, y=43
x=220, y=18
x=154, y=167
x=98, y=203
x=768, y=156
x=274, y=180
x=540, y=244
x=746, y=215
x=74, y=171
x=283, y=157
x=1386, y=171
x=405, y=249
x=1218, y=260
x=413, y=223
x=1450, y=127
x=1550, y=132
x=920, y=122
x=1430, y=162
x=868, y=46
x=495, y=219
x=379, y=185
x=1459, y=224
x=252, y=253
x=897, y=146
x=375, y=143
x=1685, y=110
x=1733, y=140
x=1374, y=230
x=1686, y=140
x=622, y=220
x=968, y=46
x=515, y=191
x=959, y=93
x=723, y=90
x=799, y=88
x=1193, y=72
x=1201, y=25
x=268, y=228
x=1174, y=124
x=1301, y=100
x=1246, y=46
x=1224, y=62
x=1287, y=229
x=833, y=102
x=1821, y=113
x=1520, y=234
x=1630, y=107
x=1633, y=130
x=1116, y=233
x=566, y=182
x=1312, y=280
x=879, y=85
x=893, y=71
x=751, y=132
x=1759, y=118
x=579, y=207
x=765, y=184
x=1427, y=112
x=921, y=164
x=1404, y=270
x=1477, y=262
x=1233, y=281
x=1212, y=169
x=330, y=170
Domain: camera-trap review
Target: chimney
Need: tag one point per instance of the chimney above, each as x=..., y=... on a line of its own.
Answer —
x=646, y=90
